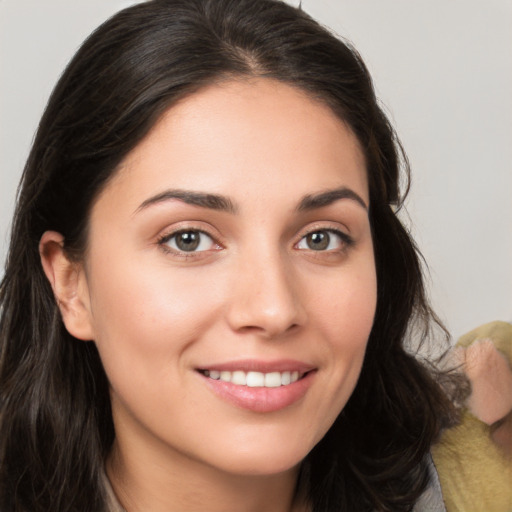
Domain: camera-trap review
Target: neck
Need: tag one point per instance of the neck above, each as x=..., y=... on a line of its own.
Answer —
x=176, y=483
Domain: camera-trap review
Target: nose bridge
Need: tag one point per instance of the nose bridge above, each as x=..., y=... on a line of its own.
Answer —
x=265, y=295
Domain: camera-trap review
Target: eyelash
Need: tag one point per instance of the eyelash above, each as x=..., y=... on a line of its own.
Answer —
x=164, y=240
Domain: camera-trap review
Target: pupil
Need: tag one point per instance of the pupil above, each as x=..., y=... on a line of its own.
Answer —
x=187, y=241
x=318, y=241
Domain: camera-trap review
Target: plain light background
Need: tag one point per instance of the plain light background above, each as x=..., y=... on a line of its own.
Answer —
x=443, y=70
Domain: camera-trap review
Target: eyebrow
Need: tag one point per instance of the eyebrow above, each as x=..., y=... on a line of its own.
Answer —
x=204, y=200
x=314, y=201
x=225, y=204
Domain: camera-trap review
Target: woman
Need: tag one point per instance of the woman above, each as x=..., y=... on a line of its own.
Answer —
x=207, y=293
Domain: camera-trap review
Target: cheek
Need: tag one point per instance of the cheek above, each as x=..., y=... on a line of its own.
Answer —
x=147, y=312
x=345, y=305
x=343, y=310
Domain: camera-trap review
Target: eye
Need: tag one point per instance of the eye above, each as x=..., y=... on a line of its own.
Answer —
x=324, y=240
x=190, y=240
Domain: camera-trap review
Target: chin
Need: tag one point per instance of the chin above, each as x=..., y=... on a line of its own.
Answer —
x=263, y=467
x=262, y=460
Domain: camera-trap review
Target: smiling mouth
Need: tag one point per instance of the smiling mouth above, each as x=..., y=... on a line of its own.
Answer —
x=260, y=386
x=254, y=379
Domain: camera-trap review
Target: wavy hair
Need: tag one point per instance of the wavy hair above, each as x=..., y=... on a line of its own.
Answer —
x=55, y=417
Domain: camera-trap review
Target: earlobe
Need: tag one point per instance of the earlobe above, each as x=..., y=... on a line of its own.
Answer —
x=68, y=281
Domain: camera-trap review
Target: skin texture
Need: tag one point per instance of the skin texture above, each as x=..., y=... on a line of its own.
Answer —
x=253, y=291
x=490, y=401
x=491, y=379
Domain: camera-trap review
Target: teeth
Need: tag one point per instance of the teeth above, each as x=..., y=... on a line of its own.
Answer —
x=254, y=379
x=225, y=376
x=272, y=380
x=239, y=378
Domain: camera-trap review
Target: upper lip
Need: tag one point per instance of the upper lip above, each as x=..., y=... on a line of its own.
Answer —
x=253, y=365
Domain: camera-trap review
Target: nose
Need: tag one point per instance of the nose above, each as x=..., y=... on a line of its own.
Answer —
x=266, y=298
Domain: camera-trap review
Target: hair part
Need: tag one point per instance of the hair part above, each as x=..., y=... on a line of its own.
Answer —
x=56, y=425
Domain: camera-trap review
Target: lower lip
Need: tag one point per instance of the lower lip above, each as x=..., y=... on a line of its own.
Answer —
x=261, y=399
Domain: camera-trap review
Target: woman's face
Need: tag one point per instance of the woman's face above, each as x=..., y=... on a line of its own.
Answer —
x=229, y=279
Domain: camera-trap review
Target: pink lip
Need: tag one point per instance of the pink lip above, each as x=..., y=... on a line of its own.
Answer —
x=251, y=365
x=261, y=399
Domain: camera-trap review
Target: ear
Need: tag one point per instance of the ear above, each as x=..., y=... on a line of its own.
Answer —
x=69, y=285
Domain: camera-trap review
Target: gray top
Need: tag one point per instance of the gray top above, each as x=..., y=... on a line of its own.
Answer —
x=432, y=498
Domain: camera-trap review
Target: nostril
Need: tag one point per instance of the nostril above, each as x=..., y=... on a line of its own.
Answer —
x=268, y=331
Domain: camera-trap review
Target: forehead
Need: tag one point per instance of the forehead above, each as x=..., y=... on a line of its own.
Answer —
x=245, y=137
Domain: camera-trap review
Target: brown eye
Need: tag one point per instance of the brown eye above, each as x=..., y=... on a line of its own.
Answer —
x=189, y=241
x=318, y=241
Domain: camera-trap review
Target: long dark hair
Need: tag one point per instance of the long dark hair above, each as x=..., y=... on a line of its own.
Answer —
x=56, y=425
